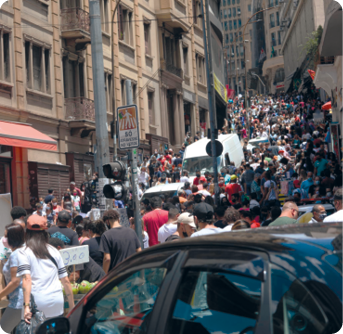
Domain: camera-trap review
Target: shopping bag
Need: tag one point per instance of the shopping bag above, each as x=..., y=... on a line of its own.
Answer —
x=37, y=319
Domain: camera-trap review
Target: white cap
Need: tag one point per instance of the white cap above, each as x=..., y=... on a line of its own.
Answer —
x=186, y=218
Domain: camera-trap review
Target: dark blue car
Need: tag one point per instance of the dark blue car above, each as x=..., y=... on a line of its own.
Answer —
x=285, y=280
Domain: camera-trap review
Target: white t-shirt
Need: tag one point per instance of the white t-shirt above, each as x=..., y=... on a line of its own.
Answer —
x=228, y=228
x=45, y=277
x=143, y=178
x=207, y=231
x=254, y=203
x=165, y=231
x=335, y=217
x=204, y=192
x=145, y=240
x=184, y=179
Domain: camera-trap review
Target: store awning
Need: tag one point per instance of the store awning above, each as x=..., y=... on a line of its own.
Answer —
x=24, y=135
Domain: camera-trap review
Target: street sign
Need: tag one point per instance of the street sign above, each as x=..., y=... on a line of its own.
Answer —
x=128, y=127
x=219, y=148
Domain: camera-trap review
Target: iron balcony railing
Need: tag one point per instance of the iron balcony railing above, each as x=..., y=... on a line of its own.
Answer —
x=174, y=70
x=79, y=108
x=74, y=19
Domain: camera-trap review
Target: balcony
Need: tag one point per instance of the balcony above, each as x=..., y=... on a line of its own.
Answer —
x=79, y=109
x=75, y=24
x=174, y=70
x=175, y=13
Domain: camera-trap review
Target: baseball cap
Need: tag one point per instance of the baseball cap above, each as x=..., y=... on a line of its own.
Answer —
x=36, y=223
x=203, y=211
x=233, y=177
x=64, y=216
x=186, y=218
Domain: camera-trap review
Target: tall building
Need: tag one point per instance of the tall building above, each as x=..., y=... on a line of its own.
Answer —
x=299, y=19
x=273, y=65
x=234, y=15
x=46, y=84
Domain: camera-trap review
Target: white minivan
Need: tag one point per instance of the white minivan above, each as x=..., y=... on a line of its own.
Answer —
x=195, y=156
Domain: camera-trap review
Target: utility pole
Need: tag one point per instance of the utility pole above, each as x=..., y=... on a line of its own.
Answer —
x=210, y=92
x=134, y=176
x=102, y=149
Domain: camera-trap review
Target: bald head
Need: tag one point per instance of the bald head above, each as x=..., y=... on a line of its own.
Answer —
x=290, y=210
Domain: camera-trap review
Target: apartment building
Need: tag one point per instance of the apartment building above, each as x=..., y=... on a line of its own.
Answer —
x=273, y=65
x=299, y=18
x=46, y=85
x=234, y=15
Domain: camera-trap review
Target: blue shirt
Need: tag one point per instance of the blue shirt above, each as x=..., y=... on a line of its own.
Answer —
x=305, y=186
x=16, y=298
x=227, y=179
x=320, y=165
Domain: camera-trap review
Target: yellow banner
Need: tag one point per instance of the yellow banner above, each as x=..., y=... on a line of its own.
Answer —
x=220, y=88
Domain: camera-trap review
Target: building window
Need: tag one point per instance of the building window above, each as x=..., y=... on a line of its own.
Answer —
x=239, y=23
x=279, y=37
x=273, y=40
x=224, y=3
x=240, y=36
x=233, y=2
x=226, y=38
x=221, y=14
x=185, y=61
x=123, y=92
x=233, y=65
x=229, y=12
x=276, y=2
x=249, y=8
x=230, y=25
x=235, y=24
x=151, y=108
x=108, y=90
x=277, y=19
x=238, y=10
x=231, y=37
x=5, y=68
x=242, y=49
x=73, y=77
x=272, y=20
x=232, y=51
x=242, y=64
x=271, y=3
x=125, y=25
x=229, y=2
x=147, y=38
x=37, y=61
x=237, y=53
x=238, y=2
x=225, y=16
x=200, y=62
x=234, y=12
x=104, y=16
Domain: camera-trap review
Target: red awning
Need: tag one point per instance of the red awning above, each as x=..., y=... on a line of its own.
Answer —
x=24, y=135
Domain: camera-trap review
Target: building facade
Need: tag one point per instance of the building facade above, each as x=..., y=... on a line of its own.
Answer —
x=46, y=81
x=273, y=66
x=299, y=19
x=234, y=15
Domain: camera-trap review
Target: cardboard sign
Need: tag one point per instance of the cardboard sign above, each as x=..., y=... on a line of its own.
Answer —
x=75, y=255
x=128, y=127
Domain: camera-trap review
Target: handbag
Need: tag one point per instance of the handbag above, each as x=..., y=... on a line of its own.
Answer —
x=37, y=319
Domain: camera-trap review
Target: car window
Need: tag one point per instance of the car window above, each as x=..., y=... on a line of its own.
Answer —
x=294, y=308
x=215, y=302
x=128, y=306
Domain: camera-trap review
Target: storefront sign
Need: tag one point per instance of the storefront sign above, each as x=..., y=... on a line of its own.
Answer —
x=280, y=86
x=128, y=127
x=188, y=96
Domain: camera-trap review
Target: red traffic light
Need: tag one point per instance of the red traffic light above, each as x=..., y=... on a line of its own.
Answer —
x=114, y=170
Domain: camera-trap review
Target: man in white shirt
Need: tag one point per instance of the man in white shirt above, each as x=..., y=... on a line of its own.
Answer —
x=169, y=227
x=184, y=178
x=204, y=219
x=338, y=203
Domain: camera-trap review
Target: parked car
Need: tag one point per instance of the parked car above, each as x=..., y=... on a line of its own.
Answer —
x=285, y=280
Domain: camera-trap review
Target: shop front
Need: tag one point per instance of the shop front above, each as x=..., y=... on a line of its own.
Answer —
x=15, y=140
x=81, y=167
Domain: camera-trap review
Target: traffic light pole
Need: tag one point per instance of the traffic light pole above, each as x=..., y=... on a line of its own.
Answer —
x=134, y=176
x=102, y=149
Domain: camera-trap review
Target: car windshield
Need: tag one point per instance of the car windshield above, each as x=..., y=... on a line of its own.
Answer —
x=201, y=163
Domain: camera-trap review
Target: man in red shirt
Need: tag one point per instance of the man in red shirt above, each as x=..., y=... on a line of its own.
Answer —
x=155, y=219
x=233, y=187
x=196, y=181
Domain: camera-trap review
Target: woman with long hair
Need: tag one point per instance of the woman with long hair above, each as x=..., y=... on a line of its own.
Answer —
x=42, y=271
x=14, y=235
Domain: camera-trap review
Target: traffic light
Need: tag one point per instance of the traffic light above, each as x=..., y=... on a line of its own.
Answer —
x=117, y=190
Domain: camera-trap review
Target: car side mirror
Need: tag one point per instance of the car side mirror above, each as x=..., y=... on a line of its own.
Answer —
x=58, y=325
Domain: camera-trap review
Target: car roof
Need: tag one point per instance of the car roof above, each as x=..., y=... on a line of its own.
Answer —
x=276, y=238
x=198, y=149
x=165, y=187
x=307, y=208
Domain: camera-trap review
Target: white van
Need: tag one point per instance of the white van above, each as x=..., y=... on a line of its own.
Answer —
x=168, y=190
x=195, y=156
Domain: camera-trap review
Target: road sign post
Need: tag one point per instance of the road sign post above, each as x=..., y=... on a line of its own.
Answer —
x=128, y=138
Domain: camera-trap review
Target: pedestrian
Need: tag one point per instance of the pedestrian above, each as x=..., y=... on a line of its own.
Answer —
x=48, y=198
x=98, y=228
x=289, y=215
x=155, y=219
x=18, y=212
x=61, y=230
x=14, y=240
x=204, y=220
x=338, y=203
x=319, y=214
x=169, y=227
x=185, y=227
x=41, y=268
x=233, y=188
x=118, y=243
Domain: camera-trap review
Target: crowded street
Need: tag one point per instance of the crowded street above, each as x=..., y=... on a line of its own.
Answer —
x=171, y=167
